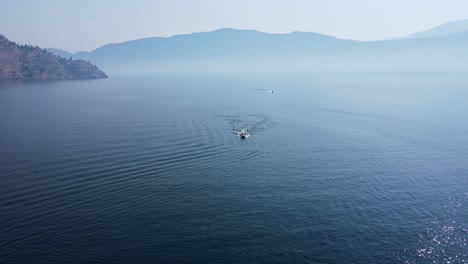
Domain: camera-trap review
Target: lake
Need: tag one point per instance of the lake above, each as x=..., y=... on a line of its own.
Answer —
x=339, y=168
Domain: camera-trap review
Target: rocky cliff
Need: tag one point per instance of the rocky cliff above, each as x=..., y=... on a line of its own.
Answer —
x=25, y=62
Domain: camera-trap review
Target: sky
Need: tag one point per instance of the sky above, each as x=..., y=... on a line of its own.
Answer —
x=84, y=25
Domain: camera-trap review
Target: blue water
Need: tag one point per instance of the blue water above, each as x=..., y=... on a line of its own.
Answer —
x=340, y=168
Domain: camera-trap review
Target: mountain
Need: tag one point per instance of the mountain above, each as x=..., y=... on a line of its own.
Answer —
x=443, y=30
x=25, y=62
x=228, y=50
x=60, y=53
x=220, y=43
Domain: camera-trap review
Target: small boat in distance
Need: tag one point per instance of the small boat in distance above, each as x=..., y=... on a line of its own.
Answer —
x=244, y=134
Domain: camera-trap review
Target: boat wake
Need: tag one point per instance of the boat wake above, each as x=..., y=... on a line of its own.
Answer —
x=265, y=90
x=251, y=124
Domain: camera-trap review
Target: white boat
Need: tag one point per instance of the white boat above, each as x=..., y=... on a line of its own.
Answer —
x=244, y=134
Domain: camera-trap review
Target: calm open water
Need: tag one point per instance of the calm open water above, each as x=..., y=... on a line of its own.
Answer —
x=340, y=168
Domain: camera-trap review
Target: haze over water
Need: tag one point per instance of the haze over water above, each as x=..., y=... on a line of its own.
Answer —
x=340, y=168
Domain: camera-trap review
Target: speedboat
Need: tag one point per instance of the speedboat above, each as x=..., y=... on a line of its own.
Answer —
x=244, y=134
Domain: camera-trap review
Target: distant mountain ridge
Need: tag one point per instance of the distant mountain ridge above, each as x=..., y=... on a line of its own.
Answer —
x=214, y=43
x=59, y=52
x=250, y=50
x=442, y=30
x=25, y=62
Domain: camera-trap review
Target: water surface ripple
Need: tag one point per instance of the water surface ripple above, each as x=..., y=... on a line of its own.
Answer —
x=339, y=169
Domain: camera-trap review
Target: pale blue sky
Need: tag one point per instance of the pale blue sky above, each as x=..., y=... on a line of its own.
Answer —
x=87, y=24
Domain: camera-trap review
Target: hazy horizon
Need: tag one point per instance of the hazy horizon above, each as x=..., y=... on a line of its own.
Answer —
x=87, y=25
x=218, y=131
